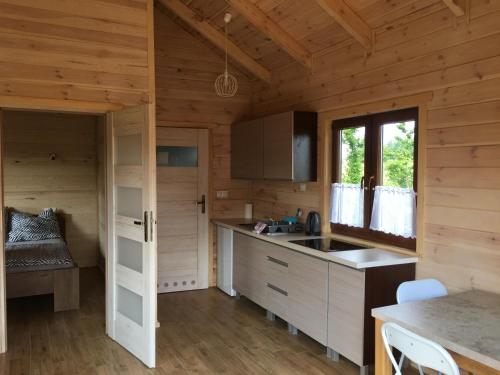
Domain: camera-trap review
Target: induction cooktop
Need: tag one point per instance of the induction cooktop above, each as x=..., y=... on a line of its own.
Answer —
x=327, y=245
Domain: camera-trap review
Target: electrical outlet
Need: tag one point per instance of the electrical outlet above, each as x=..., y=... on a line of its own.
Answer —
x=222, y=194
x=302, y=187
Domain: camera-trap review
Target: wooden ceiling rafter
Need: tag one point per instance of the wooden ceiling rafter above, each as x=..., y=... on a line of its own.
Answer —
x=216, y=37
x=349, y=20
x=457, y=7
x=262, y=22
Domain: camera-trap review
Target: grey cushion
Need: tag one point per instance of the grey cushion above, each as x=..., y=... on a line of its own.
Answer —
x=26, y=227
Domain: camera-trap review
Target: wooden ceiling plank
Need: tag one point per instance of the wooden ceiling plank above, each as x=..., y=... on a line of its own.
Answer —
x=349, y=20
x=217, y=38
x=272, y=30
x=456, y=6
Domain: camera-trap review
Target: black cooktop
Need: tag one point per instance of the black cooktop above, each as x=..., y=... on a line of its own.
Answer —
x=327, y=245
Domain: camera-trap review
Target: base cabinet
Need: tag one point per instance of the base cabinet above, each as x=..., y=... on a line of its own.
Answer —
x=308, y=295
x=352, y=294
x=249, y=268
x=346, y=309
x=327, y=301
x=290, y=285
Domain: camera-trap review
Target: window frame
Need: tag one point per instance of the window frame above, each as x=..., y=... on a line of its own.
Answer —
x=373, y=167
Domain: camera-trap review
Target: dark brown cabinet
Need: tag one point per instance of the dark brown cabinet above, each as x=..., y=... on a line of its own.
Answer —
x=276, y=147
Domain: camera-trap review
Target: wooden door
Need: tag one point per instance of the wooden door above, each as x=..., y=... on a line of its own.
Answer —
x=131, y=260
x=182, y=188
x=3, y=286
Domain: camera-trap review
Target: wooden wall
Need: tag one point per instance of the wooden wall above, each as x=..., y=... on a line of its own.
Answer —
x=458, y=60
x=86, y=50
x=32, y=181
x=186, y=69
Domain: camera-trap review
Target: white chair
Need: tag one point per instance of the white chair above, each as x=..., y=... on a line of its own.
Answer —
x=420, y=290
x=418, y=349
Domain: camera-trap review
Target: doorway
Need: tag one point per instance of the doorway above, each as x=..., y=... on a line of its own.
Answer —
x=128, y=188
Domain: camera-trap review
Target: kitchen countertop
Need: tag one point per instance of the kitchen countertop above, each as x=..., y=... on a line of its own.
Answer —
x=466, y=323
x=359, y=259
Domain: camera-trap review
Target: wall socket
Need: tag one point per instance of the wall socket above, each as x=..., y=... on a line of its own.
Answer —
x=302, y=187
x=222, y=194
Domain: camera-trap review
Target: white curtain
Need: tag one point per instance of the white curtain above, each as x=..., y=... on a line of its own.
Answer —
x=347, y=204
x=394, y=211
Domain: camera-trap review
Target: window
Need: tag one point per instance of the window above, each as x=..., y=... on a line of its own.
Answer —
x=374, y=179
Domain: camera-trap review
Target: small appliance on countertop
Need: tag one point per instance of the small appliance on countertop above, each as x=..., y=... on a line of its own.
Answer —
x=327, y=245
x=313, y=224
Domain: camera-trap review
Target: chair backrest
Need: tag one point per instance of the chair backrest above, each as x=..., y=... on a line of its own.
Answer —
x=418, y=349
x=419, y=290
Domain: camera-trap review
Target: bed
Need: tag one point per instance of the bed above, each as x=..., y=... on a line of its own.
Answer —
x=43, y=266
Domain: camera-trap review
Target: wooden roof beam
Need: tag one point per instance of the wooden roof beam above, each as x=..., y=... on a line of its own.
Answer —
x=217, y=38
x=272, y=30
x=456, y=6
x=349, y=20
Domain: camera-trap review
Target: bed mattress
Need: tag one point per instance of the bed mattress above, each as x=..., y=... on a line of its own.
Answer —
x=37, y=255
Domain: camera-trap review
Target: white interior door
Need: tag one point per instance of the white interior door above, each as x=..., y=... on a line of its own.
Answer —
x=182, y=193
x=131, y=261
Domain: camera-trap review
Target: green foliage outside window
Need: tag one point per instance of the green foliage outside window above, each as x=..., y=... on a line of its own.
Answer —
x=397, y=157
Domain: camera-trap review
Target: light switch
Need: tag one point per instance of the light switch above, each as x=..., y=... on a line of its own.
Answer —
x=222, y=194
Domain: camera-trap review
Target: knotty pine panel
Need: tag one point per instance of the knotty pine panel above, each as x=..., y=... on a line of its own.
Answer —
x=55, y=49
x=426, y=50
x=69, y=183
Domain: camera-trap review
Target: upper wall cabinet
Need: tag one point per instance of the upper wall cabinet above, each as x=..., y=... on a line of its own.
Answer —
x=246, y=150
x=277, y=147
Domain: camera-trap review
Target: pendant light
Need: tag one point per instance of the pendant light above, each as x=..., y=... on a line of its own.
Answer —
x=226, y=84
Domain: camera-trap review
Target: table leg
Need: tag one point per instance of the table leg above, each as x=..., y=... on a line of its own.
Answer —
x=382, y=362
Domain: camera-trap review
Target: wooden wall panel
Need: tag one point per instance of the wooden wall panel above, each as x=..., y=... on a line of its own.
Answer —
x=89, y=50
x=427, y=50
x=32, y=181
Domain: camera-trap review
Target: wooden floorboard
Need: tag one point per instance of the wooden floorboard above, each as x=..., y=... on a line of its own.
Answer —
x=202, y=332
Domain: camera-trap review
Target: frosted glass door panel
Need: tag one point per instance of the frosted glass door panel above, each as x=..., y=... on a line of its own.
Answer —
x=176, y=156
x=129, y=149
x=129, y=304
x=129, y=253
x=129, y=202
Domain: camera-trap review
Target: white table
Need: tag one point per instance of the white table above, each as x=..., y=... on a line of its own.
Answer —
x=466, y=324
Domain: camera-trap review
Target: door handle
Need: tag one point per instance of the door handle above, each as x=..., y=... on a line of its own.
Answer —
x=137, y=222
x=145, y=226
x=202, y=203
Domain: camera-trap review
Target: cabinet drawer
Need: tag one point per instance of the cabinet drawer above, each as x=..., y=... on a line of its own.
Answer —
x=346, y=312
x=277, y=273
x=277, y=300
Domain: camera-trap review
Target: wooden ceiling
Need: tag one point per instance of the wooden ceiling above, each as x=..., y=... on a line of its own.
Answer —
x=269, y=34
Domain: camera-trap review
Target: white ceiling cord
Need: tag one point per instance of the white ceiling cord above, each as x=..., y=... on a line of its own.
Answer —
x=226, y=84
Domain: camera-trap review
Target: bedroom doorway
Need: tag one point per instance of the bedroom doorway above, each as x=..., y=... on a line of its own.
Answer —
x=81, y=180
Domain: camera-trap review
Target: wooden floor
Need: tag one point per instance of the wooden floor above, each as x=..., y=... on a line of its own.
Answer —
x=202, y=332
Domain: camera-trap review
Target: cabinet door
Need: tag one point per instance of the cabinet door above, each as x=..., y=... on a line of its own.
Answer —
x=246, y=150
x=249, y=268
x=308, y=295
x=278, y=146
x=346, y=312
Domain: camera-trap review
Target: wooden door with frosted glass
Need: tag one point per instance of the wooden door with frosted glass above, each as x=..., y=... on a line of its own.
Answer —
x=182, y=194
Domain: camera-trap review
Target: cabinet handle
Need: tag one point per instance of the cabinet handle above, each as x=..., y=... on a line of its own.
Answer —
x=279, y=290
x=277, y=261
